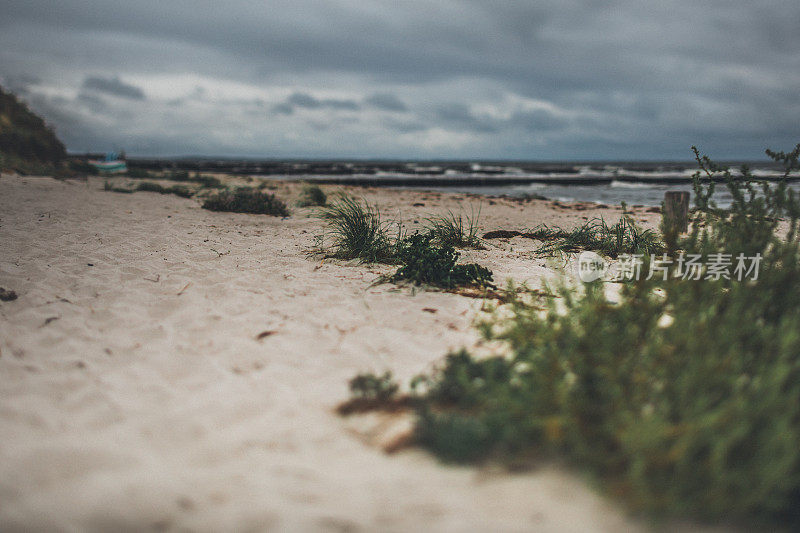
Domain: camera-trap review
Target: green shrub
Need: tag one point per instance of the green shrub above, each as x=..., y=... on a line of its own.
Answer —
x=247, y=200
x=312, y=195
x=357, y=231
x=681, y=399
x=458, y=231
x=425, y=262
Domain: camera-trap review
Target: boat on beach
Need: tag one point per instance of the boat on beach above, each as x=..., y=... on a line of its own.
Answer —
x=112, y=164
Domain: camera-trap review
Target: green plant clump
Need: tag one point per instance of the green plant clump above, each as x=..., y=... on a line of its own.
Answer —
x=373, y=387
x=178, y=190
x=312, y=195
x=624, y=237
x=357, y=231
x=682, y=399
x=247, y=200
x=459, y=231
x=425, y=262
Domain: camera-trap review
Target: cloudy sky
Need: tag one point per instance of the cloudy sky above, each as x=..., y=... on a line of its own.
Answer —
x=550, y=79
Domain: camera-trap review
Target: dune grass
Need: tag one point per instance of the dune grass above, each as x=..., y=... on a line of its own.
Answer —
x=456, y=230
x=624, y=237
x=246, y=200
x=357, y=231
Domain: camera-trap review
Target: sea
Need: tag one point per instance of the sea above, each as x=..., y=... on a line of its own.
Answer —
x=635, y=183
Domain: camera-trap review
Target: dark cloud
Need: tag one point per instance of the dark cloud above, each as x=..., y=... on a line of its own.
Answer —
x=586, y=79
x=460, y=115
x=405, y=126
x=114, y=87
x=305, y=100
x=537, y=120
x=387, y=102
x=283, y=108
x=92, y=102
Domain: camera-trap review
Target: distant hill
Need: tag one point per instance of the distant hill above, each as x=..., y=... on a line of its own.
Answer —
x=25, y=140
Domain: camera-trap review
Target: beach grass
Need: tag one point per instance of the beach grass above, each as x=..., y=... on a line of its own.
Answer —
x=624, y=237
x=457, y=230
x=357, y=231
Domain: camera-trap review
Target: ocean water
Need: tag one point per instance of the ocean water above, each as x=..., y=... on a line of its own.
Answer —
x=614, y=193
x=635, y=183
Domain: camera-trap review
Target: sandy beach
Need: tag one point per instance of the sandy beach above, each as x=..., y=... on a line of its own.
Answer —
x=171, y=368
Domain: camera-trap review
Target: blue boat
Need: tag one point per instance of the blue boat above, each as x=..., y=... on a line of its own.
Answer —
x=112, y=164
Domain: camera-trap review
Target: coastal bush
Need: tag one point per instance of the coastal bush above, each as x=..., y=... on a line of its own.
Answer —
x=425, y=262
x=247, y=200
x=459, y=231
x=312, y=195
x=357, y=231
x=681, y=398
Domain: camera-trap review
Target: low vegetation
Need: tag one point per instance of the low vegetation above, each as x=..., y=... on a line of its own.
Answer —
x=247, y=200
x=458, y=231
x=208, y=182
x=205, y=181
x=177, y=190
x=356, y=231
x=624, y=237
x=425, y=262
x=681, y=398
x=149, y=186
x=312, y=195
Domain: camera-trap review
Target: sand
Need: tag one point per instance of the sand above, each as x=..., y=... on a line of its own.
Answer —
x=135, y=392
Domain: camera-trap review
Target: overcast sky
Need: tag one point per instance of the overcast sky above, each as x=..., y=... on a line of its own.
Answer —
x=560, y=79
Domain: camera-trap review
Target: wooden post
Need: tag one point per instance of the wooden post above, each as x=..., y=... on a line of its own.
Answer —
x=676, y=211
